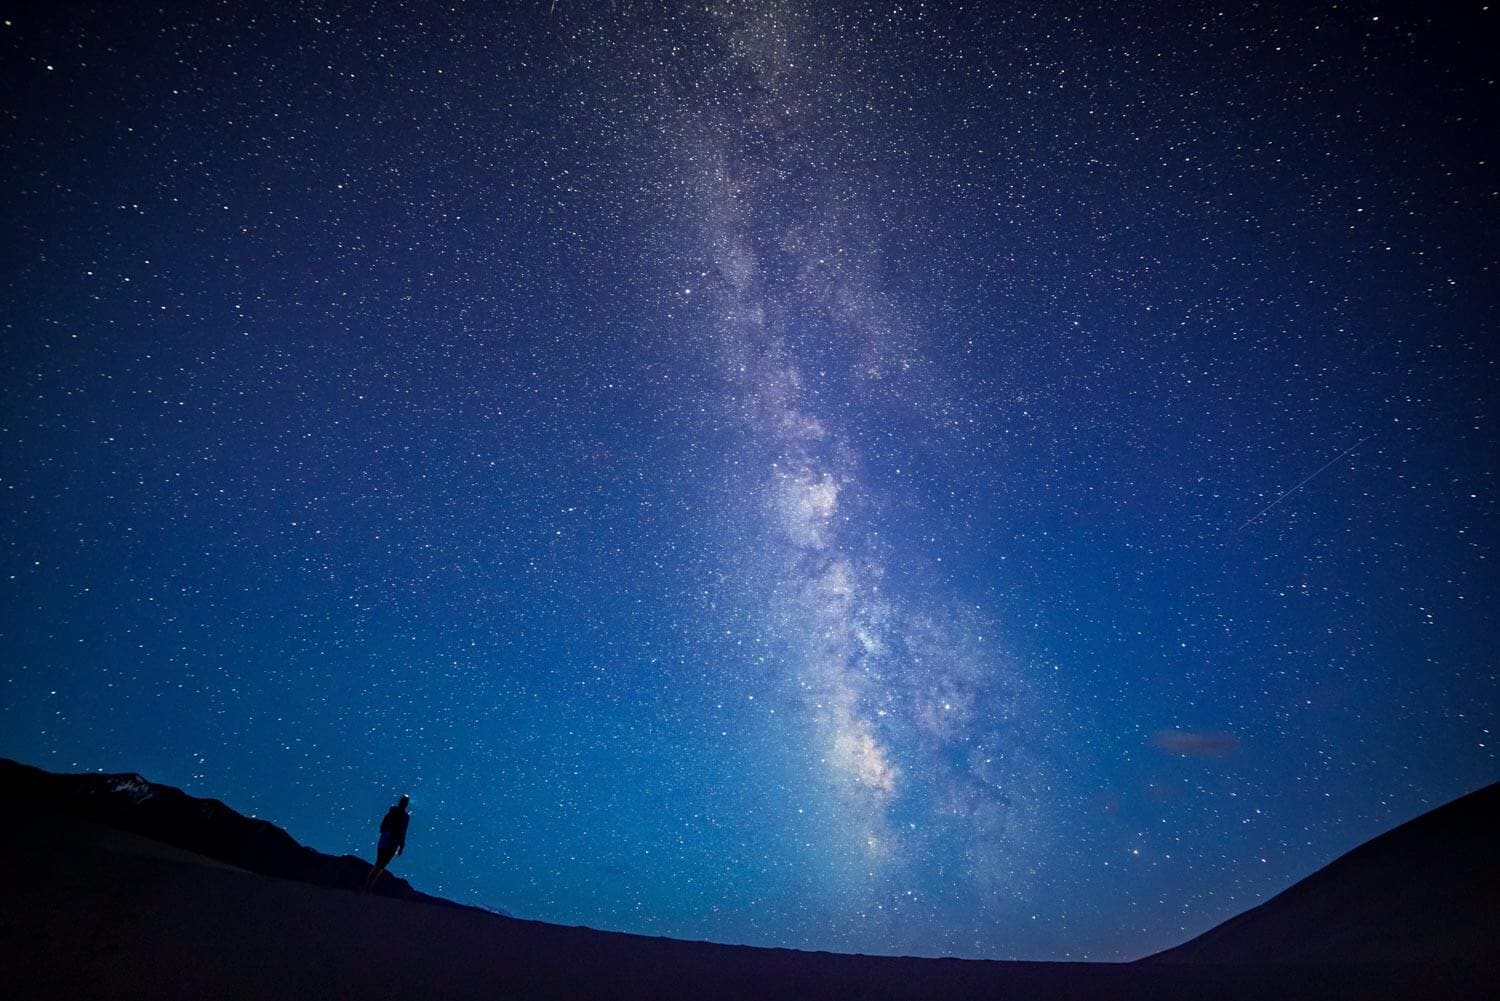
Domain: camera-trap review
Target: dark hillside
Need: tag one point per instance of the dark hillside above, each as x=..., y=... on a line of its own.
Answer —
x=119, y=888
x=1427, y=890
x=204, y=827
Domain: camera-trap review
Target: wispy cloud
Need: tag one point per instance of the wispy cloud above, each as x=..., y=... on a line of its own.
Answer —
x=1197, y=743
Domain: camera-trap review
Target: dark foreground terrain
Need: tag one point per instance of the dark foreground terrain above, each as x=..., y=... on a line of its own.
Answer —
x=106, y=896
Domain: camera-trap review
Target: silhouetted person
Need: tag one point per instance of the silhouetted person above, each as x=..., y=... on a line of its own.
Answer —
x=392, y=839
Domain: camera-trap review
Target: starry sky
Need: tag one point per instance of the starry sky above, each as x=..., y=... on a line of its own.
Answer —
x=1009, y=481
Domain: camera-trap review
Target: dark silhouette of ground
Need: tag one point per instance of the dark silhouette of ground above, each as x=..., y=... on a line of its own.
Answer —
x=1427, y=890
x=205, y=827
x=90, y=910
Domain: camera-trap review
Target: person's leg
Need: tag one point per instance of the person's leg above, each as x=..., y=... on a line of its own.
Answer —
x=383, y=856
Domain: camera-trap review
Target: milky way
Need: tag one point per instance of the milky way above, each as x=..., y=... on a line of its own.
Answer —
x=915, y=716
x=894, y=478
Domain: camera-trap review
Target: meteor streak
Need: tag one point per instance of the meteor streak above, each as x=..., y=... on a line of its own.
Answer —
x=1308, y=479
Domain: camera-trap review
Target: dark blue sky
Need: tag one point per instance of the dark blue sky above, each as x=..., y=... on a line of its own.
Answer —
x=894, y=478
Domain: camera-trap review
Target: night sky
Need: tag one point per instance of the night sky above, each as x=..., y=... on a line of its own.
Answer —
x=901, y=478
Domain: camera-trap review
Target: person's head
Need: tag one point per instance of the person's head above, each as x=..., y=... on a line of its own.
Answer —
x=404, y=801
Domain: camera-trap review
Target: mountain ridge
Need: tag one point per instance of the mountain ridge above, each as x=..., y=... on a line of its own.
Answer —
x=208, y=827
x=96, y=906
x=1426, y=889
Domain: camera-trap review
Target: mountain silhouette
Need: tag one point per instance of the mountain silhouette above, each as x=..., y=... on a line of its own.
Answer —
x=205, y=827
x=115, y=887
x=1428, y=890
